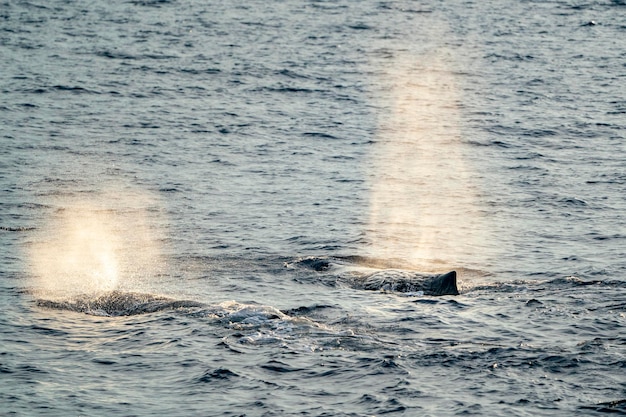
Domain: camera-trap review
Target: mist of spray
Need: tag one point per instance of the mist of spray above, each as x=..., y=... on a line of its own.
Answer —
x=422, y=199
x=110, y=240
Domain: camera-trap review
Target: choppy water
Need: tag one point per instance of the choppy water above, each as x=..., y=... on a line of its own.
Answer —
x=169, y=170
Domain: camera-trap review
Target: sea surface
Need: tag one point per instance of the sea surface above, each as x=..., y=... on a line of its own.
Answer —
x=170, y=170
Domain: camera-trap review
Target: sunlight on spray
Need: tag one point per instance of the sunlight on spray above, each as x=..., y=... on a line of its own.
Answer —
x=422, y=207
x=97, y=244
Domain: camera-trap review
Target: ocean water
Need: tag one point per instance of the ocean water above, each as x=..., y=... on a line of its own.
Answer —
x=170, y=171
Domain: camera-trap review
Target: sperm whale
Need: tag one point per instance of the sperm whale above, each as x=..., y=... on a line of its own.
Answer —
x=436, y=285
x=347, y=271
x=118, y=303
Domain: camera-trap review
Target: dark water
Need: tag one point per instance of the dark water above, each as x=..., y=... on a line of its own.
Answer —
x=170, y=169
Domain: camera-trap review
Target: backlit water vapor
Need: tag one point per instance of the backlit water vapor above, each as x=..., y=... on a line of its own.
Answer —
x=422, y=197
x=90, y=245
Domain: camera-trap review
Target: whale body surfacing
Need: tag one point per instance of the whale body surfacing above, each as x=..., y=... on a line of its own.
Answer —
x=357, y=274
x=118, y=303
x=444, y=284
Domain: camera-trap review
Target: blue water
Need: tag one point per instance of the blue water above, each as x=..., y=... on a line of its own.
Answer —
x=166, y=166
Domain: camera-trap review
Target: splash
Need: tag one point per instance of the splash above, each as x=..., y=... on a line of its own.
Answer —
x=108, y=241
x=422, y=204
